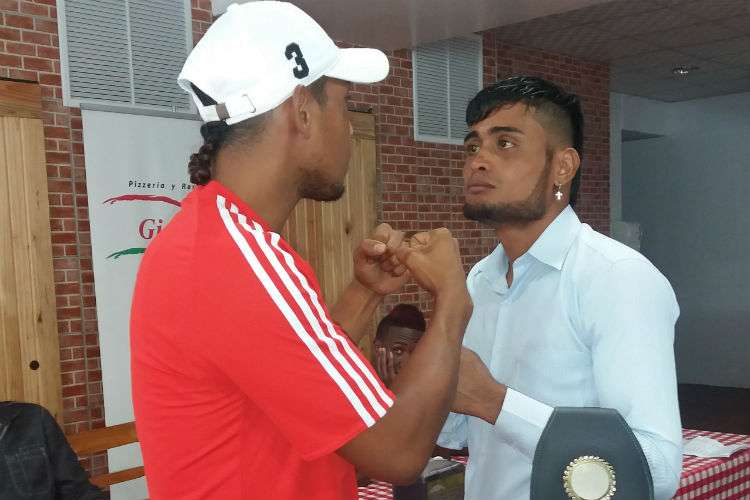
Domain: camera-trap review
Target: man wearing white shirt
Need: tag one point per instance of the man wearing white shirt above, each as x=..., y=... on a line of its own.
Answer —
x=563, y=315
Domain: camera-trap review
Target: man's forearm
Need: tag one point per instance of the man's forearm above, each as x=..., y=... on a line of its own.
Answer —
x=489, y=406
x=426, y=387
x=397, y=447
x=354, y=309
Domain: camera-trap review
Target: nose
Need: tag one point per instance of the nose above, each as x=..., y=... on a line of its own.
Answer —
x=351, y=129
x=476, y=163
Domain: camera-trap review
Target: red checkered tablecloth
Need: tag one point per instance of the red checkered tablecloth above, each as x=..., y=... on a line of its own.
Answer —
x=702, y=478
x=378, y=490
x=716, y=478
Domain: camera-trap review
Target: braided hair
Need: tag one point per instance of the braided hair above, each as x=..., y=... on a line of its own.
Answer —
x=214, y=135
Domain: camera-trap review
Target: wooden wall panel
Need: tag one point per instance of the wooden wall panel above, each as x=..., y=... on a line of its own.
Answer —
x=29, y=345
x=326, y=233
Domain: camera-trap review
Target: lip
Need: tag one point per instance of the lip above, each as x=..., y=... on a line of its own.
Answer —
x=478, y=187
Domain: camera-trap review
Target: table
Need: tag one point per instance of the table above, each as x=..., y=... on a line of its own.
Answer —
x=701, y=479
x=716, y=478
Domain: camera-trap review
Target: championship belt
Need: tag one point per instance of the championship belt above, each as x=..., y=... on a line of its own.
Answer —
x=441, y=480
x=589, y=454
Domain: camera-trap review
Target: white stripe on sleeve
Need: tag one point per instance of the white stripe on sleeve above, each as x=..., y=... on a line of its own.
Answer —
x=289, y=314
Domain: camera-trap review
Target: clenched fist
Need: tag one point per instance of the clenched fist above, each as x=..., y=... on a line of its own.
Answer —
x=375, y=263
x=434, y=260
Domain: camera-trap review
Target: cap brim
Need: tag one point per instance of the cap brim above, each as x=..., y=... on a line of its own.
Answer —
x=360, y=66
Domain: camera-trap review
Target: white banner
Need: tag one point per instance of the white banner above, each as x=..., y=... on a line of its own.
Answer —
x=136, y=176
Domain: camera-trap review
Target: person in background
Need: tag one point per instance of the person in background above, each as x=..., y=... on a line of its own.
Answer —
x=36, y=461
x=395, y=339
x=563, y=315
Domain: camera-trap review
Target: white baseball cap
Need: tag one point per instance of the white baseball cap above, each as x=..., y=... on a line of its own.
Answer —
x=254, y=56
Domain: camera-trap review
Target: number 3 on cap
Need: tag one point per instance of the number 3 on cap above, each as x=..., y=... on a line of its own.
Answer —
x=293, y=51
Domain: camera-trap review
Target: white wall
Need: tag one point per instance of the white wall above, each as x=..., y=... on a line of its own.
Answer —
x=690, y=192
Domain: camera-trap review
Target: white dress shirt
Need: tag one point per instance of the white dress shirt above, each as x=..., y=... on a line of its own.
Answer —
x=586, y=322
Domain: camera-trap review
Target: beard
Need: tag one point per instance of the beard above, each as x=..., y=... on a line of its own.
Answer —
x=531, y=209
x=316, y=186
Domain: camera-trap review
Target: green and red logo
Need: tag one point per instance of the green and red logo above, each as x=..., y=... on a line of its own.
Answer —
x=147, y=228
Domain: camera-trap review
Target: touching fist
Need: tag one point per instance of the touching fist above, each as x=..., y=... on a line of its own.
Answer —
x=434, y=260
x=375, y=263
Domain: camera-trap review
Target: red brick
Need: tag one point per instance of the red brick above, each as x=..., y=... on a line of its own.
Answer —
x=50, y=79
x=75, y=326
x=56, y=132
x=22, y=74
x=17, y=21
x=71, y=340
x=45, y=26
x=9, y=5
x=201, y=15
x=67, y=288
x=35, y=9
x=74, y=390
x=9, y=60
x=64, y=264
x=20, y=49
x=47, y=92
x=68, y=312
x=48, y=52
x=36, y=37
x=61, y=238
x=55, y=186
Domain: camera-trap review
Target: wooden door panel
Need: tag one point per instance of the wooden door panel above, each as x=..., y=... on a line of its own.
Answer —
x=29, y=344
x=326, y=233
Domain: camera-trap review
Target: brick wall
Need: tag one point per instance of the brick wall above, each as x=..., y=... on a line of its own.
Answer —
x=29, y=51
x=420, y=183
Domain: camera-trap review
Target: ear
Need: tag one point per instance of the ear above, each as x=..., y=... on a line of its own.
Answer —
x=303, y=107
x=377, y=343
x=567, y=163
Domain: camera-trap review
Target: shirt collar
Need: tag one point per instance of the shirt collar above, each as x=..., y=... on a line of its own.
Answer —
x=550, y=248
x=495, y=266
x=553, y=244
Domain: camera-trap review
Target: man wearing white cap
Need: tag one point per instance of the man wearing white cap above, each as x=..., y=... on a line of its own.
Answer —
x=244, y=384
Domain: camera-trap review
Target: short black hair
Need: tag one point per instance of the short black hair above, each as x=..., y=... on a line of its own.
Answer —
x=403, y=316
x=564, y=109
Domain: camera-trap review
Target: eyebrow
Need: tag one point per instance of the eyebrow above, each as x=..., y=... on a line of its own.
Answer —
x=494, y=130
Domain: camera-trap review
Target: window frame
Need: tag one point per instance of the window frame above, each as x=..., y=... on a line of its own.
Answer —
x=480, y=67
x=103, y=104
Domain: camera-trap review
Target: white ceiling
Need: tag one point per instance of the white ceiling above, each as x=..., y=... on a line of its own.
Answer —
x=642, y=40
x=398, y=24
